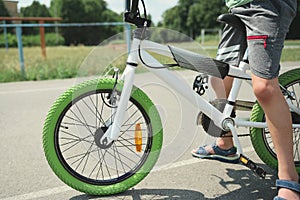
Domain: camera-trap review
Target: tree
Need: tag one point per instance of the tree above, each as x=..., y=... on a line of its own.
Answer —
x=34, y=10
x=294, y=32
x=72, y=11
x=176, y=17
x=204, y=15
x=3, y=10
x=172, y=20
x=4, y=13
x=84, y=11
x=190, y=16
x=96, y=11
x=56, y=8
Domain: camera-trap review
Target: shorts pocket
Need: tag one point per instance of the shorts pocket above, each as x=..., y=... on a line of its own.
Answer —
x=263, y=38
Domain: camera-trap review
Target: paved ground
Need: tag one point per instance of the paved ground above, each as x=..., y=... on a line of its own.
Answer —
x=25, y=173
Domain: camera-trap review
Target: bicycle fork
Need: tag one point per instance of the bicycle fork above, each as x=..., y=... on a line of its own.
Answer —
x=128, y=76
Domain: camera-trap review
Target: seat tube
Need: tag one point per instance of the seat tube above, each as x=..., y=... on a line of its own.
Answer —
x=235, y=90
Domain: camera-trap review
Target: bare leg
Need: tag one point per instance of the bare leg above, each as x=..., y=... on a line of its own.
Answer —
x=222, y=89
x=279, y=122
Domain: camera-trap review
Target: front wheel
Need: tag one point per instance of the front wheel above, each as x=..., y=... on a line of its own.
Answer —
x=261, y=138
x=75, y=125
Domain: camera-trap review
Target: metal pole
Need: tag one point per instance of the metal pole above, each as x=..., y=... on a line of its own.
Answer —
x=20, y=47
x=43, y=40
x=220, y=34
x=202, y=36
x=5, y=35
x=127, y=27
x=128, y=36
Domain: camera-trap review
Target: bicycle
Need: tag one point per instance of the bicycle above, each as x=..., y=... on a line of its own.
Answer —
x=103, y=136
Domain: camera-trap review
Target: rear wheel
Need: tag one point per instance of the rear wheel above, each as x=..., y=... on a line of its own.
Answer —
x=76, y=123
x=261, y=138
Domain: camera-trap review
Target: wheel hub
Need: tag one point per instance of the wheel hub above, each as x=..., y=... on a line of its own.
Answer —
x=98, y=138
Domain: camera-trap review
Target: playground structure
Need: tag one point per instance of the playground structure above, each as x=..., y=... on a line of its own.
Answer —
x=41, y=24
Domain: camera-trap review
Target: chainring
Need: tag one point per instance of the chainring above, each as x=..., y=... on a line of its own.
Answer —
x=208, y=124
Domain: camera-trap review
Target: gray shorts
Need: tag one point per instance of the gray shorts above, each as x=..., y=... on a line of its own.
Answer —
x=267, y=23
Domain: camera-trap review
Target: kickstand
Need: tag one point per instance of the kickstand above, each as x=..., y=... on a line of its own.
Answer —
x=251, y=165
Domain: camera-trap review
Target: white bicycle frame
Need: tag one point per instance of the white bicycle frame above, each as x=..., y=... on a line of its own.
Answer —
x=221, y=119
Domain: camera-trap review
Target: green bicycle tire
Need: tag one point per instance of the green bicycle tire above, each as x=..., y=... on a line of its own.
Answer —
x=258, y=138
x=50, y=148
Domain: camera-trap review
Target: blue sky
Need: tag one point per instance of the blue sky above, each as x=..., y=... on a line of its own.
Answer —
x=154, y=7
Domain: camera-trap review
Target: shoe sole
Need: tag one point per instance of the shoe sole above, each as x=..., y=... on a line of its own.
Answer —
x=227, y=159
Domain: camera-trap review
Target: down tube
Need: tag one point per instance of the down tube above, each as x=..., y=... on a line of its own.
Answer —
x=182, y=88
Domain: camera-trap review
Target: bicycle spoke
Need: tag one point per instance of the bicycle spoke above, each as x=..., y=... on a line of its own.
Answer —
x=297, y=100
x=87, y=127
x=296, y=145
x=71, y=140
x=120, y=160
x=81, y=159
x=92, y=171
x=75, y=136
x=134, y=153
x=75, y=141
x=106, y=166
x=134, y=123
x=92, y=111
x=74, y=124
x=102, y=108
x=78, y=156
x=117, y=159
x=83, y=123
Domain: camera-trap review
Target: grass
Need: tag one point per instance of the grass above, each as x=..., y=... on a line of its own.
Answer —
x=66, y=62
x=292, y=42
x=61, y=62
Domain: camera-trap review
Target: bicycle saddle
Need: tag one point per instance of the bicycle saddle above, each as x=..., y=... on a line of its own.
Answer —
x=232, y=20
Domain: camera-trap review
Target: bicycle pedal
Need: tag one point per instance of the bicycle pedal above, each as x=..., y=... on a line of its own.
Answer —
x=251, y=165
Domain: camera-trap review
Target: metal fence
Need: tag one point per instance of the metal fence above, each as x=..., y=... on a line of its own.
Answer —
x=19, y=27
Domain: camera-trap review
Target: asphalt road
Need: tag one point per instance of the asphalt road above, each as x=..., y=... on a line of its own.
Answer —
x=25, y=174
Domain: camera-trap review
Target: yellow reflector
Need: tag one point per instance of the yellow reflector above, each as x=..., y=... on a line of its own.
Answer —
x=138, y=137
x=243, y=160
